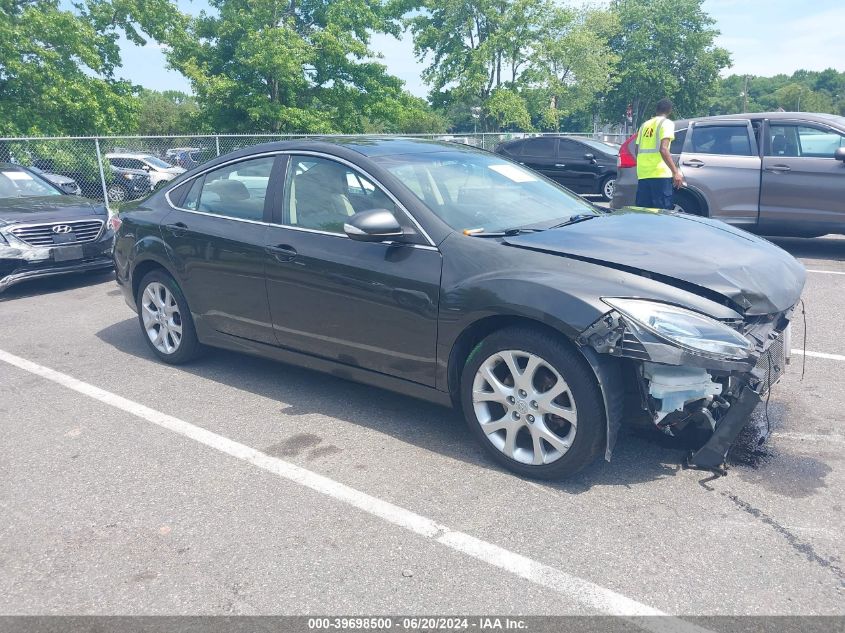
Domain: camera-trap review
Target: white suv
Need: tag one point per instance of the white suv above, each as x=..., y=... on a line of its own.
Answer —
x=160, y=172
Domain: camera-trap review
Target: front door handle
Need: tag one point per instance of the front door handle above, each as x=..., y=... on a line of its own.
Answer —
x=561, y=165
x=693, y=163
x=779, y=168
x=177, y=228
x=282, y=252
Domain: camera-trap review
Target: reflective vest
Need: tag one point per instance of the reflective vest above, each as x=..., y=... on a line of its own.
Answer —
x=650, y=163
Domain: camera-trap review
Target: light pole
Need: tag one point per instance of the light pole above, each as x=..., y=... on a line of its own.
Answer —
x=476, y=114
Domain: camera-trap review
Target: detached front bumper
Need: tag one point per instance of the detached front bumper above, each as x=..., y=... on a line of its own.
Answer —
x=677, y=388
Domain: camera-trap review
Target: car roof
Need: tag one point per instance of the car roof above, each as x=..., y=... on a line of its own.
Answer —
x=830, y=119
x=128, y=154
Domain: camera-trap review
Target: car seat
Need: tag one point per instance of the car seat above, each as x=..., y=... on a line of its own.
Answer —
x=318, y=198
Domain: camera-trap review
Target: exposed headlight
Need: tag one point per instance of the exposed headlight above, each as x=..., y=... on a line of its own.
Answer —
x=129, y=176
x=686, y=328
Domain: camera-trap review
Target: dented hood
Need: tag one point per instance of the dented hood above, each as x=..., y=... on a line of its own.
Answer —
x=754, y=274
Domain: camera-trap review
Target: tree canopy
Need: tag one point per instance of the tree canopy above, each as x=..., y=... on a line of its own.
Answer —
x=308, y=66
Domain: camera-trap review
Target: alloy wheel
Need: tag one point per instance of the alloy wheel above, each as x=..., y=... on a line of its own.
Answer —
x=161, y=318
x=524, y=407
x=607, y=189
x=116, y=193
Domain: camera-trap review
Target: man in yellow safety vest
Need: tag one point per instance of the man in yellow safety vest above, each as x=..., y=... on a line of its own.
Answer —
x=656, y=171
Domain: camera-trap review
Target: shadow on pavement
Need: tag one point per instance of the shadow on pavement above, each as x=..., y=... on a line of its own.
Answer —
x=59, y=283
x=636, y=458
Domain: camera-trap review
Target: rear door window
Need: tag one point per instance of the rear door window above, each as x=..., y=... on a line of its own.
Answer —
x=677, y=144
x=541, y=147
x=725, y=140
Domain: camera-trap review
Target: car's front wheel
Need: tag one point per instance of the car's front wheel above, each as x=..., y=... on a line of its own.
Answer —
x=533, y=403
x=165, y=319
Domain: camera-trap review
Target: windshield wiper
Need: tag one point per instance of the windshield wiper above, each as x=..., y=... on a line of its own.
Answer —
x=505, y=233
x=580, y=217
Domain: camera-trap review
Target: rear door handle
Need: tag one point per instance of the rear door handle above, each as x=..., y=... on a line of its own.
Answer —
x=282, y=252
x=559, y=165
x=693, y=163
x=779, y=168
x=178, y=228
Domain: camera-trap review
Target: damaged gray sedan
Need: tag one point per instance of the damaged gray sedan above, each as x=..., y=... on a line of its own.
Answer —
x=459, y=276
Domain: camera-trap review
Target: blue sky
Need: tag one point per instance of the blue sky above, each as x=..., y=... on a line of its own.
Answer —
x=765, y=37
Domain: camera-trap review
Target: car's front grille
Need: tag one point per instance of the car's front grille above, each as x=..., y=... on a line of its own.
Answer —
x=772, y=363
x=42, y=234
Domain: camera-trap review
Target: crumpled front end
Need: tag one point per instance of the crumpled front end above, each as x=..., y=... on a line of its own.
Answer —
x=679, y=387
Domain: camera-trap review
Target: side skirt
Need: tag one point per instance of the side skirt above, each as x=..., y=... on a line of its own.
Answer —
x=347, y=372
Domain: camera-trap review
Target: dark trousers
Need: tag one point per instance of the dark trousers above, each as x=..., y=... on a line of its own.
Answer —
x=655, y=193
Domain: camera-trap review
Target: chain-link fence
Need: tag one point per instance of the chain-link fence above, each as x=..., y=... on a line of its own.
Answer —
x=121, y=168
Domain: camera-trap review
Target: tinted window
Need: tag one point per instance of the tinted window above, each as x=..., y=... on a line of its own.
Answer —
x=514, y=149
x=727, y=140
x=544, y=147
x=234, y=191
x=571, y=149
x=322, y=194
x=803, y=141
x=677, y=145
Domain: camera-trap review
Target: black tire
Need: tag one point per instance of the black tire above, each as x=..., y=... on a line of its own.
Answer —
x=607, y=196
x=686, y=202
x=189, y=346
x=591, y=430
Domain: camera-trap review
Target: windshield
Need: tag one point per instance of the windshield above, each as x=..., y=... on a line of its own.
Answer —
x=607, y=148
x=474, y=191
x=17, y=183
x=156, y=162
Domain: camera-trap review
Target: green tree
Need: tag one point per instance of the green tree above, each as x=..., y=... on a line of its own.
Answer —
x=506, y=109
x=473, y=48
x=665, y=48
x=57, y=73
x=168, y=112
x=571, y=63
x=287, y=66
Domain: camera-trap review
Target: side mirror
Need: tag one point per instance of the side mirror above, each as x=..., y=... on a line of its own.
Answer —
x=590, y=156
x=376, y=225
x=839, y=154
x=68, y=187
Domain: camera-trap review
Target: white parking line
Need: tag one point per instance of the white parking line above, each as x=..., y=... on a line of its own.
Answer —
x=825, y=272
x=588, y=594
x=801, y=352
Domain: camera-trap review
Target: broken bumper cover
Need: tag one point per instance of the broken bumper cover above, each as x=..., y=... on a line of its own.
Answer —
x=678, y=386
x=22, y=263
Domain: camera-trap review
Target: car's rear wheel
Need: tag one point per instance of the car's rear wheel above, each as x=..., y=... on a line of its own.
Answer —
x=607, y=187
x=165, y=319
x=533, y=403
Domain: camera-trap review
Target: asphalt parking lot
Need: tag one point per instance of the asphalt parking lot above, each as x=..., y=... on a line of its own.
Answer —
x=236, y=485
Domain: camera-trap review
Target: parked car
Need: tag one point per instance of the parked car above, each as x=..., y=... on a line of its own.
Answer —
x=159, y=171
x=186, y=157
x=581, y=165
x=45, y=232
x=67, y=185
x=774, y=173
x=121, y=184
x=456, y=275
